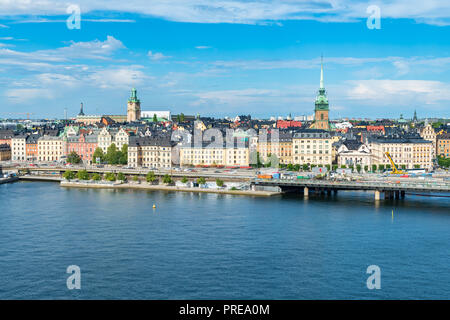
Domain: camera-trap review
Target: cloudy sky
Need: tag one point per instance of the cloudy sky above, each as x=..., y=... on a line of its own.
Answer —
x=222, y=58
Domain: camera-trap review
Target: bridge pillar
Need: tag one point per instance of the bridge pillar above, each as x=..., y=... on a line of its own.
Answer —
x=402, y=194
x=328, y=192
x=397, y=194
x=305, y=192
x=377, y=195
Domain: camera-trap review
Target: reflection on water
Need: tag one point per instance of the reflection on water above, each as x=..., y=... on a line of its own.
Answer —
x=217, y=246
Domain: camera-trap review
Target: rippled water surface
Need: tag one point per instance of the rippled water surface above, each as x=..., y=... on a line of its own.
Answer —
x=209, y=246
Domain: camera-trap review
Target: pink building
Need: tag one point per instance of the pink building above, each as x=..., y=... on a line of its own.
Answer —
x=83, y=145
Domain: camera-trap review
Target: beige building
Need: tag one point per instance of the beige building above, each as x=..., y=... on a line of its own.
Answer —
x=278, y=145
x=209, y=154
x=406, y=152
x=88, y=120
x=429, y=134
x=18, y=148
x=150, y=152
x=107, y=136
x=50, y=148
x=313, y=146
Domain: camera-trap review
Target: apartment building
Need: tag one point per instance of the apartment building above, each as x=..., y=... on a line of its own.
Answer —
x=150, y=152
x=50, y=148
x=275, y=144
x=406, y=152
x=443, y=145
x=18, y=148
x=313, y=146
x=213, y=153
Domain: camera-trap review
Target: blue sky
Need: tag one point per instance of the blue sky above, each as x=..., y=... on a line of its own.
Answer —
x=223, y=58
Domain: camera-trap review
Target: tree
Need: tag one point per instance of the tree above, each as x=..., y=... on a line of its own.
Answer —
x=73, y=157
x=135, y=179
x=381, y=167
x=201, y=180
x=112, y=155
x=219, y=182
x=155, y=118
x=83, y=175
x=296, y=167
x=121, y=176
x=343, y=166
x=182, y=117
x=123, y=159
x=150, y=176
x=358, y=168
x=96, y=177
x=366, y=168
x=403, y=166
x=184, y=180
x=328, y=167
x=69, y=175
x=167, y=179
x=417, y=166
x=374, y=167
x=98, y=153
x=110, y=176
x=305, y=166
x=335, y=166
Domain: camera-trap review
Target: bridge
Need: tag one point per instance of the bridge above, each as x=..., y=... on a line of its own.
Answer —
x=390, y=188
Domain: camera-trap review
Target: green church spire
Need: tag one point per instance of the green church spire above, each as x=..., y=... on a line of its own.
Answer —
x=321, y=99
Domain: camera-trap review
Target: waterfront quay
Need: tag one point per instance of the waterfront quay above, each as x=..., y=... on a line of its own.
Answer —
x=388, y=187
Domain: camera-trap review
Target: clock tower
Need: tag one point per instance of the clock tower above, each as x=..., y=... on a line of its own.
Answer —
x=133, y=107
x=321, y=120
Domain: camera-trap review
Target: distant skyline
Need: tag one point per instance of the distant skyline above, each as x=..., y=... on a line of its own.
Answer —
x=225, y=58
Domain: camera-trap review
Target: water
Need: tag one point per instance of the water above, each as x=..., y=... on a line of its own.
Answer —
x=209, y=246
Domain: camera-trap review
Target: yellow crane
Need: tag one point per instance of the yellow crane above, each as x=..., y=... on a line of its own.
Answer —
x=395, y=170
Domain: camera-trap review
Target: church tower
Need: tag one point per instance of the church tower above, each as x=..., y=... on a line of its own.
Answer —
x=321, y=120
x=133, y=107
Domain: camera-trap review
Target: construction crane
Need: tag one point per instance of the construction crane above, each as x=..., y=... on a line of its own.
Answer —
x=395, y=170
x=27, y=113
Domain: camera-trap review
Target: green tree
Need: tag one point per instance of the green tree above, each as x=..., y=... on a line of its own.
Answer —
x=69, y=175
x=73, y=157
x=305, y=166
x=83, y=175
x=343, y=166
x=110, y=176
x=381, y=167
x=403, y=166
x=328, y=167
x=201, y=180
x=135, y=179
x=335, y=166
x=167, y=179
x=184, y=180
x=358, y=168
x=121, y=176
x=98, y=153
x=112, y=155
x=123, y=159
x=182, y=117
x=366, y=168
x=155, y=118
x=150, y=176
x=374, y=168
x=96, y=177
x=417, y=166
x=219, y=182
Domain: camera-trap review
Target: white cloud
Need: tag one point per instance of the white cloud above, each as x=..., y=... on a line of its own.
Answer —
x=202, y=47
x=398, y=92
x=156, y=56
x=121, y=78
x=3, y=26
x=434, y=12
x=27, y=94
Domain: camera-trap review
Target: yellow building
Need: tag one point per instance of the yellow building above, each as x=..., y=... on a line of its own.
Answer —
x=50, y=148
x=279, y=145
x=150, y=152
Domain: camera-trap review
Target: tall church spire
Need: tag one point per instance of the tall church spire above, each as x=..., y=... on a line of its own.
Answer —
x=321, y=72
